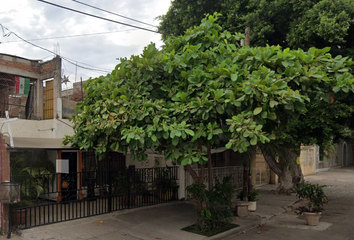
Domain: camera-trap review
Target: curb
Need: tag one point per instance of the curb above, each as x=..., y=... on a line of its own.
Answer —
x=234, y=231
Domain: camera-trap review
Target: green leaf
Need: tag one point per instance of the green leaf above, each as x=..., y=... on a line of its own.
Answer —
x=246, y=133
x=190, y=132
x=336, y=89
x=272, y=116
x=257, y=111
x=272, y=103
x=153, y=138
x=185, y=161
x=210, y=136
x=258, y=128
x=254, y=141
x=234, y=77
x=175, y=141
x=220, y=109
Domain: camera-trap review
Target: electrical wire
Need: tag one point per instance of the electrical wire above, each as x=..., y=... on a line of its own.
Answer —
x=91, y=15
x=72, y=36
x=62, y=57
x=113, y=13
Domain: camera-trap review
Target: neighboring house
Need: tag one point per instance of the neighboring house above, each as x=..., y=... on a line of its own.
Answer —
x=51, y=174
x=340, y=155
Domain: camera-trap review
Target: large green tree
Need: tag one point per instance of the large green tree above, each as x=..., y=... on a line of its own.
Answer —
x=202, y=91
x=295, y=24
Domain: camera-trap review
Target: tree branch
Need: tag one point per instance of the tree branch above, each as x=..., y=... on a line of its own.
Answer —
x=273, y=164
x=192, y=173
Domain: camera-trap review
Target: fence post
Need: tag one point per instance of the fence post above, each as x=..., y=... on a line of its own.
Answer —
x=110, y=174
x=128, y=184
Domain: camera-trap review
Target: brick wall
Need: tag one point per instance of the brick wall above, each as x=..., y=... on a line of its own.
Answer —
x=4, y=176
x=35, y=66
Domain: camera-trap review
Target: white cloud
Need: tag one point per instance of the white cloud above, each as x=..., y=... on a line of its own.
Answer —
x=36, y=20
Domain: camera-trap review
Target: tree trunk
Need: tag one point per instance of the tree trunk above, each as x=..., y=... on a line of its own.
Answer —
x=290, y=177
x=245, y=189
x=288, y=170
x=194, y=175
x=210, y=169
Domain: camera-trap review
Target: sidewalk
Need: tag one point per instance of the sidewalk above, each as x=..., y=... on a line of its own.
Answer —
x=162, y=221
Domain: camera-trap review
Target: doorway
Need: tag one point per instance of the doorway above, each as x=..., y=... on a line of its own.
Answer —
x=69, y=180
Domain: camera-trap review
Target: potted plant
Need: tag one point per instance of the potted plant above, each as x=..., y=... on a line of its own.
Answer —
x=316, y=198
x=252, y=199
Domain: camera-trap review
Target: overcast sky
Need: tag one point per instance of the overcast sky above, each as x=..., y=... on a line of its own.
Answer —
x=32, y=19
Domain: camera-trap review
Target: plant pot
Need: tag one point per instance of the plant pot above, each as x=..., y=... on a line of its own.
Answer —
x=252, y=206
x=242, y=208
x=18, y=217
x=312, y=219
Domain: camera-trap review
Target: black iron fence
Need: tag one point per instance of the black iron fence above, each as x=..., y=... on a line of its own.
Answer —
x=50, y=198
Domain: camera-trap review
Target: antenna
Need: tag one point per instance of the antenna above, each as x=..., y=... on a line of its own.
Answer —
x=56, y=48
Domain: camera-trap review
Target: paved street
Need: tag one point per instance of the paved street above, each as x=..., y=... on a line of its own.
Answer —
x=338, y=214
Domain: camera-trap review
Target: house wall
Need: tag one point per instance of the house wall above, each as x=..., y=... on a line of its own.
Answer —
x=52, y=128
x=154, y=160
x=308, y=160
x=340, y=156
x=4, y=177
x=68, y=107
x=260, y=170
x=37, y=71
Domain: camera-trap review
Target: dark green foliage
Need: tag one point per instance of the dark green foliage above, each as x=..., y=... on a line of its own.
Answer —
x=288, y=23
x=314, y=193
x=164, y=181
x=33, y=170
x=126, y=181
x=213, y=207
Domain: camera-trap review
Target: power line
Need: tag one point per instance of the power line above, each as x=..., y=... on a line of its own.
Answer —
x=113, y=13
x=71, y=36
x=91, y=15
x=62, y=57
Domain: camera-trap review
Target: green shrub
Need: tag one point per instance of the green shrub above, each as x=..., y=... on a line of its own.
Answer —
x=252, y=195
x=314, y=193
x=213, y=207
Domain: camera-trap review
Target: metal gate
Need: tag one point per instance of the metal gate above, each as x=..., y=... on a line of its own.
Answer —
x=96, y=190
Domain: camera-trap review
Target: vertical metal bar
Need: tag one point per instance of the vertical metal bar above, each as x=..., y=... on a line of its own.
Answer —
x=30, y=216
x=64, y=211
x=35, y=216
x=110, y=191
x=9, y=222
x=44, y=214
x=77, y=202
x=39, y=215
x=128, y=184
